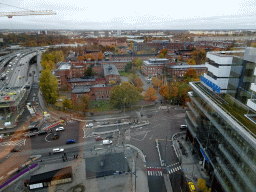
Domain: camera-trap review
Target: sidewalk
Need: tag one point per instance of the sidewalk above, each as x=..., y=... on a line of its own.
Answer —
x=189, y=162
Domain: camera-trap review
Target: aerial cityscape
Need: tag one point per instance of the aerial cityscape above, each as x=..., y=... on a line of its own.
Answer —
x=136, y=97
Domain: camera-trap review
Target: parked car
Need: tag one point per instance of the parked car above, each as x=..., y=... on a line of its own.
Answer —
x=15, y=150
x=109, y=136
x=59, y=100
x=98, y=138
x=58, y=150
x=89, y=125
x=42, y=132
x=183, y=127
x=107, y=142
x=31, y=135
x=70, y=141
x=60, y=129
x=55, y=136
x=105, y=123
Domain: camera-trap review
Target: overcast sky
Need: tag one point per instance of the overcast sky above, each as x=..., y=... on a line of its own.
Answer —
x=132, y=14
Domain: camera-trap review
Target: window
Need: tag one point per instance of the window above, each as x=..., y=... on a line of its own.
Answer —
x=102, y=92
x=96, y=92
x=102, y=97
x=107, y=92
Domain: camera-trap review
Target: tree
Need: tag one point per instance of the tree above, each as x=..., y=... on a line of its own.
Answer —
x=198, y=55
x=67, y=103
x=131, y=46
x=138, y=84
x=100, y=55
x=128, y=66
x=84, y=103
x=201, y=184
x=89, y=57
x=49, y=86
x=112, y=82
x=150, y=94
x=163, y=53
x=125, y=94
x=58, y=56
x=190, y=75
x=89, y=72
x=138, y=63
x=156, y=82
x=191, y=62
x=80, y=58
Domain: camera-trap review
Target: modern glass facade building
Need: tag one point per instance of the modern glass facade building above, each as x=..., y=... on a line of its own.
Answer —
x=220, y=132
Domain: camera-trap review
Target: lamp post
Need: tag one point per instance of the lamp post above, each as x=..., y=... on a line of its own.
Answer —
x=124, y=104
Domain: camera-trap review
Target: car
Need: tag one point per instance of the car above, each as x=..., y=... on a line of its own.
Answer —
x=42, y=132
x=98, y=138
x=59, y=100
x=191, y=186
x=183, y=126
x=30, y=135
x=89, y=125
x=70, y=141
x=57, y=150
x=109, y=137
x=55, y=136
x=59, y=129
x=106, y=142
x=15, y=150
x=105, y=123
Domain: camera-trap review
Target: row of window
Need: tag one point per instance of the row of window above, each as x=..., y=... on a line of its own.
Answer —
x=102, y=92
x=102, y=97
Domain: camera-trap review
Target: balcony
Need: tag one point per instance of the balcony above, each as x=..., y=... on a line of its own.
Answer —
x=237, y=168
x=226, y=170
x=253, y=86
x=252, y=104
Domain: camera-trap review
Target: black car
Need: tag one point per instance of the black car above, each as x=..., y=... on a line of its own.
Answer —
x=15, y=150
x=109, y=136
x=42, y=132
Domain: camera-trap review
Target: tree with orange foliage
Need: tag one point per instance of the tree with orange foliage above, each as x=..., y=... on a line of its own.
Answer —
x=80, y=58
x=89, y=57
x=191, y=62
x=100, y=55
x=138, y=84
x=190, y=75
x=150, y=94
x=156, y=82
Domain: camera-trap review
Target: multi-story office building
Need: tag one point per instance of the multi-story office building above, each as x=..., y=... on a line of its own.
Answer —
x=221, y=132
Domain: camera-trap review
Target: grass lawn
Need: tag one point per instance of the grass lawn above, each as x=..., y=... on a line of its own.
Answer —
x=125, y=74
x=99, y=106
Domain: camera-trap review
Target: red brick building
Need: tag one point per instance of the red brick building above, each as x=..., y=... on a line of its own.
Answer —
x=153, y=66
x=96, y=92
x=111, y=73
x=62, y=74
x=179, y=70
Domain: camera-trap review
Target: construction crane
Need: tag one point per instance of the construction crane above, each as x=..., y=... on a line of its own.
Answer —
x=25, y=13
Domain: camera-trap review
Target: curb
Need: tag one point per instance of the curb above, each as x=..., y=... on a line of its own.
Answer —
x=139, y=151
x=157, y=146
x=175, y=135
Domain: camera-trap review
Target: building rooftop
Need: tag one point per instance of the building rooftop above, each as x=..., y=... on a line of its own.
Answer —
x=110, y=69
x=73, y=80
x=237, y=113
x=81, y=89
x=64, y=66
x=186, y=66
x=239, y=53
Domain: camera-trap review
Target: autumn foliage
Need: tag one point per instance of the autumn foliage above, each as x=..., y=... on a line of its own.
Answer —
x=156, y=82
x=150, y=94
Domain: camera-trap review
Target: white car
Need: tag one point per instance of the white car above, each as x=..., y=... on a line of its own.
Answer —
x=89, y=125
x=58, y=150
x=60, y=129
x=106, y=142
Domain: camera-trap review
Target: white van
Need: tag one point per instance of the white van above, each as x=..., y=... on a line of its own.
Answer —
x=183, y=126
x=107, y=142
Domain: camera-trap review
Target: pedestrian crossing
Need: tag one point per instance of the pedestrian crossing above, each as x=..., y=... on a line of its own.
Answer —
x=162, y=107
x=15, y=143
x=154, y=171
x=173, y=170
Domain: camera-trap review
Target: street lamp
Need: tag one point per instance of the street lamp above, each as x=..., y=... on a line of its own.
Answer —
x=124, y=104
